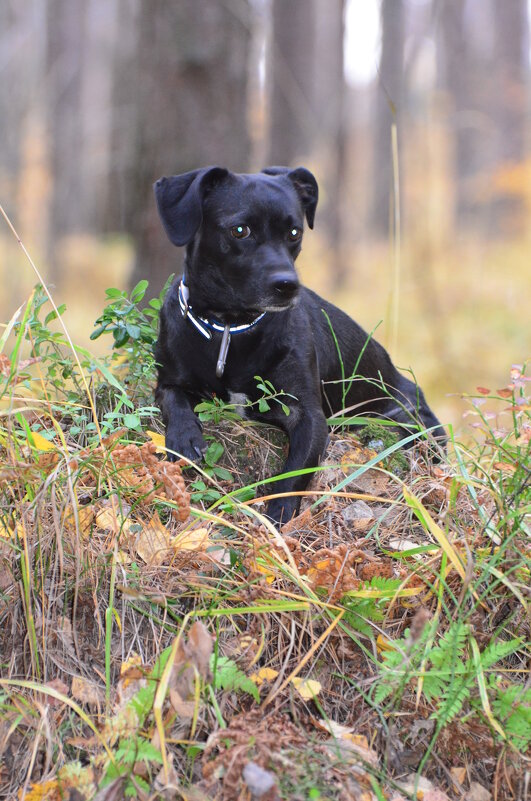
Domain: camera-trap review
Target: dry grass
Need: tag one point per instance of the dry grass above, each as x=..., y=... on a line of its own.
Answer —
x=160, y=639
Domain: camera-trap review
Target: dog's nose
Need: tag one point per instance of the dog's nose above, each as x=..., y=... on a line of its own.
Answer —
x=285, y=285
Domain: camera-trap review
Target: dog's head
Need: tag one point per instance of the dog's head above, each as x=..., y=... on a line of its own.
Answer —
x=242, y=233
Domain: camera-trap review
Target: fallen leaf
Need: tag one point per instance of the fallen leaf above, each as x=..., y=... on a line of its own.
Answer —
x=336, y=730
x=221, y=555
x=264, y=674
x=108, y=519
x=504, y=467
x=372, y=482
x=194, y=540
x=201, y=646
x=384, y=644
x=131, y=668
x=269, y=575
x=86, y=691
x=355, y=456
x=59, y=686
x=153, y=542
x=477, y=792
x=458, y=774
x=40, y=442
x=307, y=688
x=45, y=791
x=159, y=440
x=185, y=709
x=85, y=516
x=132, y=679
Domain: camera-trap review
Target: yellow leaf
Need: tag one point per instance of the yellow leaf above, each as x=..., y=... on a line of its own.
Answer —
x=45, y=791
x=194, y=540
x=264, y=674
x=153, y=543
x=159, y=440
x=110, y=519
x=39, y=442
x=131, y=669
x=307, y=688
x=9, y=533
x=383, y=644
x=85, y=516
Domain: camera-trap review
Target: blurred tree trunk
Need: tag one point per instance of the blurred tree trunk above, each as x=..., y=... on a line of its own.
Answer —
x=510, y=110
x=465, y=64
x=190, y=77
x=291, y=76
x=330, y=92
x=457, y=81
x=389, y=102
x=65, y=38
x=15, y=75
x=123, y=118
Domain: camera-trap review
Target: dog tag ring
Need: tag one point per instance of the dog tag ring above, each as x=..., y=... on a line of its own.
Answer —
x=223, y=351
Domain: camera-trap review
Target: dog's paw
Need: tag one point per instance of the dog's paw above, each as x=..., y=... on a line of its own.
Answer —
x=188, y=443
x=280, y=510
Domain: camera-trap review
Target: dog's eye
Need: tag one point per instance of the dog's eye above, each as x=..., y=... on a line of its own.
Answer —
x=295, y=234
x=240, y=231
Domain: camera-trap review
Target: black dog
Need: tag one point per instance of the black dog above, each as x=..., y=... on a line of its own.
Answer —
x=239, y=311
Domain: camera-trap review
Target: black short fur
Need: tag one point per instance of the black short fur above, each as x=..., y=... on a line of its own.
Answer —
x=242, y=235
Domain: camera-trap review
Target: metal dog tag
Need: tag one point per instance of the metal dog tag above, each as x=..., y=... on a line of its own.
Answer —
x=223, y=351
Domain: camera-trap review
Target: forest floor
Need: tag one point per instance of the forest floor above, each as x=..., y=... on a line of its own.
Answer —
x=160, y=639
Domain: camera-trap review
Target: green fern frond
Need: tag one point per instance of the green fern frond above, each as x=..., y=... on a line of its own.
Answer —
x=228, y=676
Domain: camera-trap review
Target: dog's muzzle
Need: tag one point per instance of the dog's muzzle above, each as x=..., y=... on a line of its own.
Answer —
x=284, y=286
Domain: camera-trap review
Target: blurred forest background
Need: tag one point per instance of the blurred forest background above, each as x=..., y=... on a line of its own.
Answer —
x=413, y=115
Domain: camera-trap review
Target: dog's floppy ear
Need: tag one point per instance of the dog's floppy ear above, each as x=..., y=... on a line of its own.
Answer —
x=305, y=184
x=180, y=201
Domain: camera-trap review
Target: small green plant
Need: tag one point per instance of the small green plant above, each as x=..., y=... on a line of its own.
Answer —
x=48, y=348
x=512, y=707
x=228, y=676
x=360, y=611
x=500, y=457
x=448, y=672
x=201, y=491
x=134, y=329
x=269, y=396
x=126, y=321
x=214, y=410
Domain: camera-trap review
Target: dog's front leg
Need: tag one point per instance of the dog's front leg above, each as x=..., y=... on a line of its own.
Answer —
x=183, y=429
x=308, y=436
